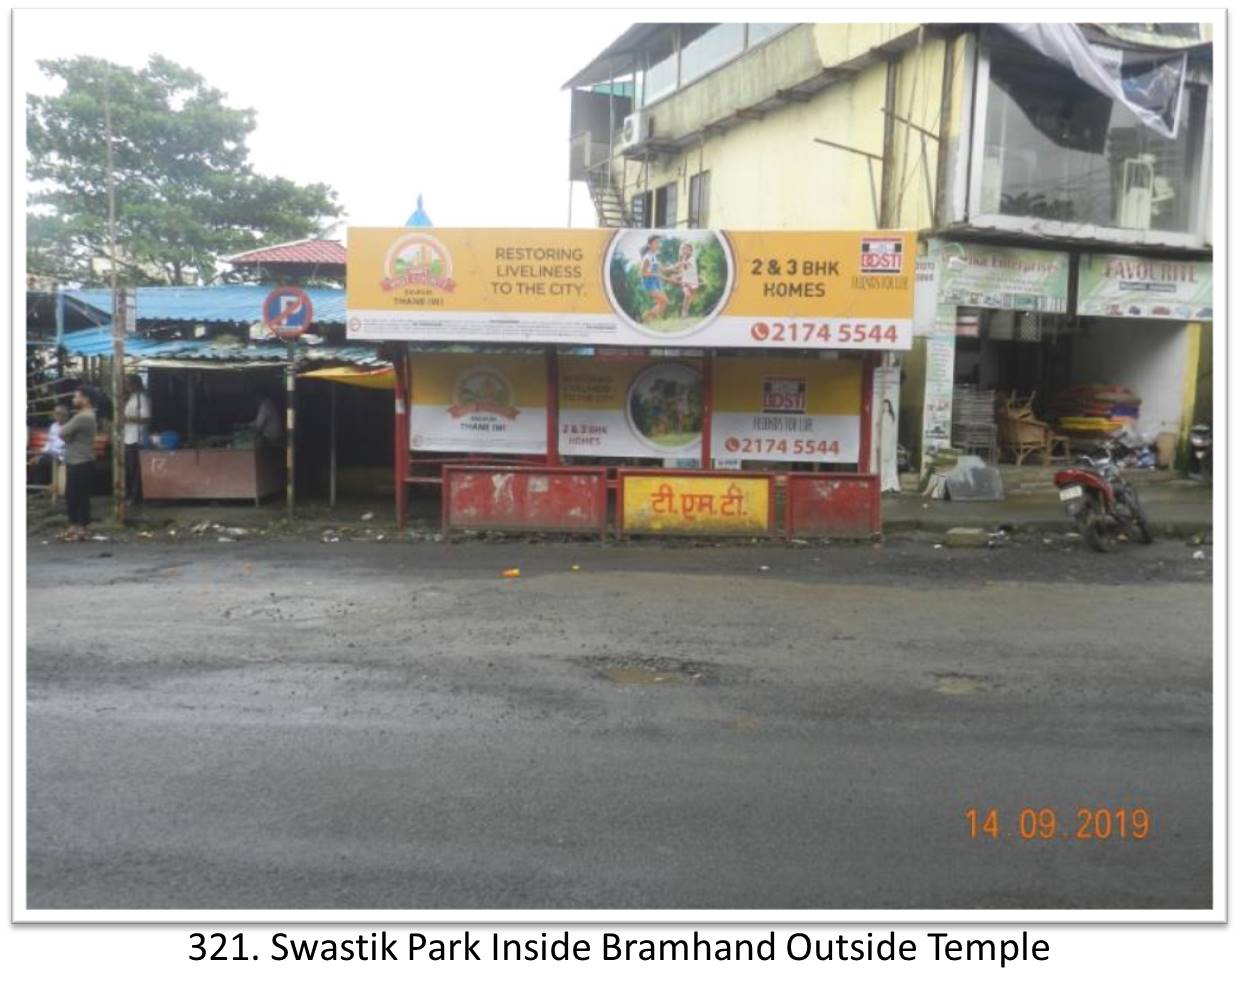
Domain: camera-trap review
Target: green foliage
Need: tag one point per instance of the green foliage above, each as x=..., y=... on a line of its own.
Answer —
x=625, y=279
x=186, y=194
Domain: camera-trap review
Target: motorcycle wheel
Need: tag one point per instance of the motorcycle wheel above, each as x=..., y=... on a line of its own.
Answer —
x=1139, y=518
x=1096, y=530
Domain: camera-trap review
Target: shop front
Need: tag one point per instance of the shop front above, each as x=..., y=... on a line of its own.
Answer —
x=1038, y=353
x=683, y=366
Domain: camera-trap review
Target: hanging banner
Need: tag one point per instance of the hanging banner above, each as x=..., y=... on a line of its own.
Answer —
x=981, y=276
x=1135, y=287
x=938, y=395
x=630, y=407
x=633, y=287
x=476, y=403
x=787, y=410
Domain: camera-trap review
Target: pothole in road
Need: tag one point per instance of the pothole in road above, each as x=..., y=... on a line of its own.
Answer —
x=956, y=683
x=652, y=670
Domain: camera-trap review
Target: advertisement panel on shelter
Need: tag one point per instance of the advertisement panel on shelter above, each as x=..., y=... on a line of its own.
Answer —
x=1135, y=287
x=704, y=503
x=630, y=407
x=981, y=276
x=787, y=410
x=667, y=288
x=478, y=403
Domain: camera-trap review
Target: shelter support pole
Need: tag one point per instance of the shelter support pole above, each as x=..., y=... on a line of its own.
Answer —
x=333, y=443
x=552, y=406
x=290, y=387
x=866, y=413
x=707, y=409
x=399, y=365
x=119, y=324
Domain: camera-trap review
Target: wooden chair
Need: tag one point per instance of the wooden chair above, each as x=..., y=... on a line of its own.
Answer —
x=1022, y=433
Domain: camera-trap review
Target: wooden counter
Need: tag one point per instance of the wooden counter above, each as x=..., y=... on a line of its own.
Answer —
x=212, y=474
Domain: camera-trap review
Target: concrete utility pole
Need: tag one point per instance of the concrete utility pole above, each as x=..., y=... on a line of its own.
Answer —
x=119, y=324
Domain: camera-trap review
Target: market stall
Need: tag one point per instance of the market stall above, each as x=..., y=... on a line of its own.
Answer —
x=208, y=363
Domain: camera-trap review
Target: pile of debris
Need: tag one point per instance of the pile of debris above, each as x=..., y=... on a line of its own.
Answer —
x=961, y=477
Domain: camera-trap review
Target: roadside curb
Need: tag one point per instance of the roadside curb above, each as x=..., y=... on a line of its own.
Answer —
x=1170, y=530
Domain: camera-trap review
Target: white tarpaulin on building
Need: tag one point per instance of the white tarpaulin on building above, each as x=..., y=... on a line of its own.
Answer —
x=1146, y=81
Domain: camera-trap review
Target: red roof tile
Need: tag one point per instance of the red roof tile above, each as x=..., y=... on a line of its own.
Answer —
x=305, y=251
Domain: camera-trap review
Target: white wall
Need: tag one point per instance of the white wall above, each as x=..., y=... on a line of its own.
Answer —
x=1145, y=355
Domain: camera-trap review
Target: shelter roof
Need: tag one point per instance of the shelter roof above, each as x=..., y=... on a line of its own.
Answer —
x=219, y=303
x=98, y=342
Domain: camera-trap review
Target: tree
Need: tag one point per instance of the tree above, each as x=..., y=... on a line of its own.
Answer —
x=186, y=194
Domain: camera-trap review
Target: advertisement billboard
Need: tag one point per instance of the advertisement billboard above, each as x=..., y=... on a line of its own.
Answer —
x=1136, y=287
x=478, y=403
x=971, y=275
x=630, y=407
x=787, y=410
x=632, y=287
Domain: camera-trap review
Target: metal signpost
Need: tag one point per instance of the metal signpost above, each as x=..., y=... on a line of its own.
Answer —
x=288, y=312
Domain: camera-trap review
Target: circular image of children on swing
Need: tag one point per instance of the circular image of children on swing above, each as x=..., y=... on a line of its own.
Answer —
x=669, y=283
x=665, y=406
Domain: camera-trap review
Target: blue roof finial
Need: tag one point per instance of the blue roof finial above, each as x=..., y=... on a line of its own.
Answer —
x=419, y=218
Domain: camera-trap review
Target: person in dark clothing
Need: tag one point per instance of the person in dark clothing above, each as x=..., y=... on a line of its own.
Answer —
x=79, y=457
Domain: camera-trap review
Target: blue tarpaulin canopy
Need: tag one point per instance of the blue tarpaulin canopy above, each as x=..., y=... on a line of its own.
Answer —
x=227, y=304
x=222, y=303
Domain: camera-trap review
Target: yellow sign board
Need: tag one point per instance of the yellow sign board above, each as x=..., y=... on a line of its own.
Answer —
x=696, y=503
x=630, y=407
x=787, y=409
x=633, y=287
x=478, y=403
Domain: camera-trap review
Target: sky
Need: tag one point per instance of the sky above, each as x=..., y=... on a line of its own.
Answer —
x=465, y=108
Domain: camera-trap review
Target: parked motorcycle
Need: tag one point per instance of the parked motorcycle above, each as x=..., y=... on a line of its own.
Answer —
x=1200, y=465
x=1100, y=500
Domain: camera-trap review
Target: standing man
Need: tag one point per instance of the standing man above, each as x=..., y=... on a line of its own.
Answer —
x=79, y=457
x=137, y=435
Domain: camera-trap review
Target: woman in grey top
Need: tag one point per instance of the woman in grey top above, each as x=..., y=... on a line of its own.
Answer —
x=79, y=457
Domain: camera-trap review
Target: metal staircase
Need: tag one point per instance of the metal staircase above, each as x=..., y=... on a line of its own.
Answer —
x=607, y=200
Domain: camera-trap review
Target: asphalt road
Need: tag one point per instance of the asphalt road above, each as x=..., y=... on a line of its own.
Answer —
x=395, y=726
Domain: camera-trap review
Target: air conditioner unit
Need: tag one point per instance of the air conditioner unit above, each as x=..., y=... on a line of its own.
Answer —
x=637, y=128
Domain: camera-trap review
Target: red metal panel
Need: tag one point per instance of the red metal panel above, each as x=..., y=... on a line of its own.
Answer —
x=218, y=474
x=540, y=499
x=834, y=505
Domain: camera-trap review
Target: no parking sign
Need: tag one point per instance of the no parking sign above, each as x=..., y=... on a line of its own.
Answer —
x=288, y=312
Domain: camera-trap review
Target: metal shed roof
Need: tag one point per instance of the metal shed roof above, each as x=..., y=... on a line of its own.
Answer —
x=98, y=342
x=223, y=303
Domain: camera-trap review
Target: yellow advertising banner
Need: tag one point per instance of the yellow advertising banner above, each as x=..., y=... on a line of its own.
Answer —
x=696, y=503
x=478, y=403
x=789, y=410
x=633, y=287
x=630, y=407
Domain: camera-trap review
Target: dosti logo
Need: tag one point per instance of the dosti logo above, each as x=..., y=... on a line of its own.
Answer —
x=417, y=261
x=881, y=254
